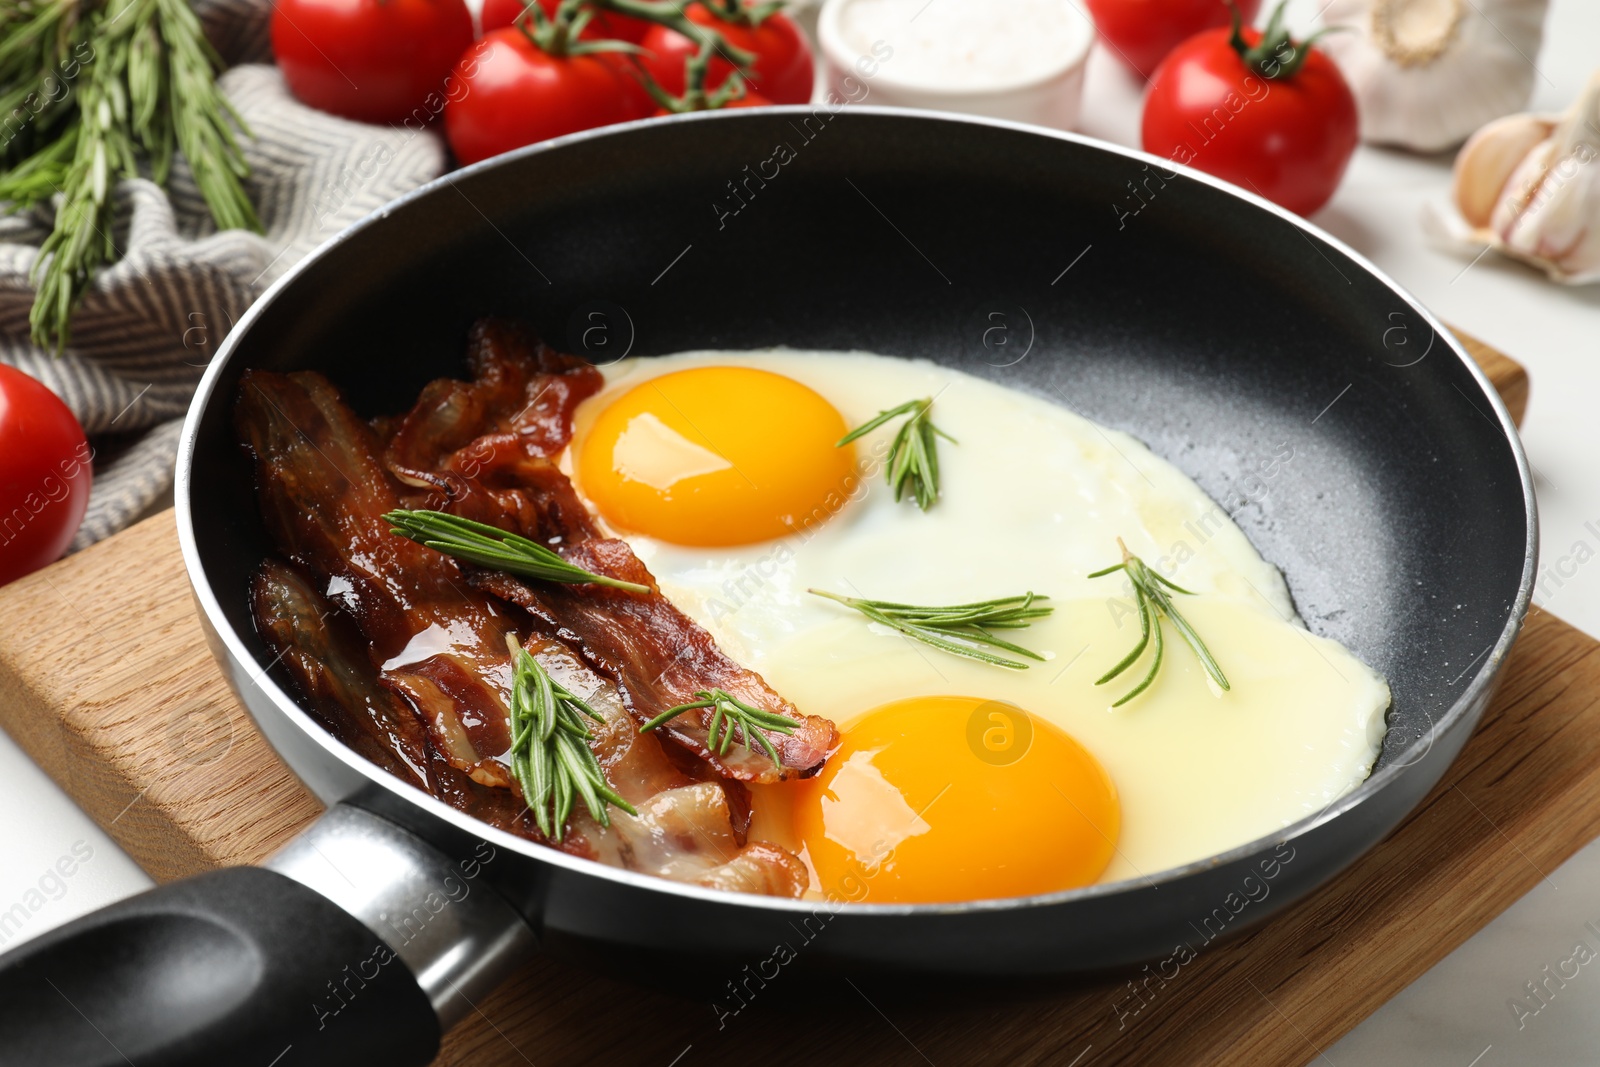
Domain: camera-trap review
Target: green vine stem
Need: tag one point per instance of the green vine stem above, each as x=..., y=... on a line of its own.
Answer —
x=743, y=14
x=670, y=14
x=559, y=34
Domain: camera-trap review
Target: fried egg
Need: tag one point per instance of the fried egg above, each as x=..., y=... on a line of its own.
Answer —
x=713, y=456
x=959, y=780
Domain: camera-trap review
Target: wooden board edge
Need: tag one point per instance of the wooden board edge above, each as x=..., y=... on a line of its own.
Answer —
x=1509, y=377
x=112, y=786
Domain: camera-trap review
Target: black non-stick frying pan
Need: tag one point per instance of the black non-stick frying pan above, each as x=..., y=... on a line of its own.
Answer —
x=1208, y=323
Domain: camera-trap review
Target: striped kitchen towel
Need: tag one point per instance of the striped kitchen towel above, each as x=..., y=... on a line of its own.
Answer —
x=153, y=320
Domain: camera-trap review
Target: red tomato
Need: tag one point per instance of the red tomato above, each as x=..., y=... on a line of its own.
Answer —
x=1287, y=138
x=782, y=71
x=498, y=14
x=371, y=60
x=1142, y=32
x=515, y=94
x=44, y=475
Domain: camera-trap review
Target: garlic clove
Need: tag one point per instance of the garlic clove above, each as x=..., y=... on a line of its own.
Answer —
x=1426, y=73
x=1529, y=186
x=1488, y=159
x=1549, y=212
x=1563, y=236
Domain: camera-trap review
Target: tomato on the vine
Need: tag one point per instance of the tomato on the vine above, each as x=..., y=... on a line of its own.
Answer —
x=749, y=99
x=44, y=475
x=497, y=14
x=783, y=71
x=1257, y=109
x=515, y=93
x=370, y=60
x=1142, y=32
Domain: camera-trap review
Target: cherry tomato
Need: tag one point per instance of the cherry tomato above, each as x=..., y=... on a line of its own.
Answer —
x=1287, y=138
x=498, y=14
x=371, y=60
x=44, y=475
x=1142, y=32
x=515, y=94
x=782, y=71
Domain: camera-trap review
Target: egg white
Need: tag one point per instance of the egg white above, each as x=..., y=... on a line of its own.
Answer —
x=1034, y=498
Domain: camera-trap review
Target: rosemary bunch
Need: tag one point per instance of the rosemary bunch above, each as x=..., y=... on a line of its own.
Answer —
x=550, y=755
x=1153, y=602
x=960, y=629
x=96, y=91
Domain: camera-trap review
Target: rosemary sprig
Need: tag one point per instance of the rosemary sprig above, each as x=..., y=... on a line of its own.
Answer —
x=119, y=79
x=960, y=629
x=913, y=457
x=731, y=714
x=550, y=755
x=1153, y=602
x=494, y=548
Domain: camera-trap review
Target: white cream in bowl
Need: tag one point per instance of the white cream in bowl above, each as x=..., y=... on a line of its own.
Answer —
x=1012, y=59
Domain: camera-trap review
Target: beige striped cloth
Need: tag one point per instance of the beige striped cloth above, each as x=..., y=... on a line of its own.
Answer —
x=151, y=323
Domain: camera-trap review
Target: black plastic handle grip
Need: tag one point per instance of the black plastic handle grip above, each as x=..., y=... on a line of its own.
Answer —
x=240, y=966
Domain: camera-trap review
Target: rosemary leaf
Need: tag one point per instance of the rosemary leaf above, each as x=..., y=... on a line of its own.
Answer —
x=494, y=548
x=119, y=80
x=960, y=629
x=1153, y=602
x=913, y=459
x=550, y=755
x=729, y=715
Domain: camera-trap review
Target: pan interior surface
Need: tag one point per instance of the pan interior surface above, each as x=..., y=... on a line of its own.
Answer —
x=1215, y=331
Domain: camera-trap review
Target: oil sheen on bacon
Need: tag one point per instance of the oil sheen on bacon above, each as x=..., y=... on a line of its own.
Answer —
x=401, y=651
x=486, y=461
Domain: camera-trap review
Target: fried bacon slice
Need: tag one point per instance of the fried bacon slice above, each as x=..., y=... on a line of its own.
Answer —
x=435, y=640
x=476, y=451
x=686, y=830
x=326, y=655
x=406, y=661
x=520, y=386
x=324, y=652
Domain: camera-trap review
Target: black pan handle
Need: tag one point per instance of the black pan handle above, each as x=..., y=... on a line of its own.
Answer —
x=281, y=967
x=238, y=966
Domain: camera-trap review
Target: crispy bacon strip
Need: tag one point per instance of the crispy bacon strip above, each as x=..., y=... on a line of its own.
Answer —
x=423, y=720
x=520, y=386
x=686, y=830
x=492, y=472
x=326, y=655
x=434, y=639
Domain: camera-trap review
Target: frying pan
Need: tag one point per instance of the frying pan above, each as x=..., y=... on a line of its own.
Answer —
x=1209, y=323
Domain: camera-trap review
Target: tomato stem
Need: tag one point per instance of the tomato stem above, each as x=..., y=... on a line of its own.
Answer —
x=695, y=97
x=743, y=12
x=1276, y=55
x=554, y=34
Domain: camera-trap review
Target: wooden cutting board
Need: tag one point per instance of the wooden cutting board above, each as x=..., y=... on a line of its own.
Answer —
x=105, y=679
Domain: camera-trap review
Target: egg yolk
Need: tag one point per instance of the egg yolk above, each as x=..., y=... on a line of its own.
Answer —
x=716, y=456
x=944, y=799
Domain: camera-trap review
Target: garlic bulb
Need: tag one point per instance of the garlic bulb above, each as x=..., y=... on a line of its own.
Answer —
x=1428, y=72
x=1529, y=186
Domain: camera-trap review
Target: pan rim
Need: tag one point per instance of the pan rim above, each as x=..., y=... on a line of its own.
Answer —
x=207, y=600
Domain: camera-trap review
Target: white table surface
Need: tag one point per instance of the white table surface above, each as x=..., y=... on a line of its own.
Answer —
x=1456, y=1015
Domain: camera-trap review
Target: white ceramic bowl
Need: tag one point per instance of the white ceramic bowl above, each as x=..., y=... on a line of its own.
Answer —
x=1049, y=96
